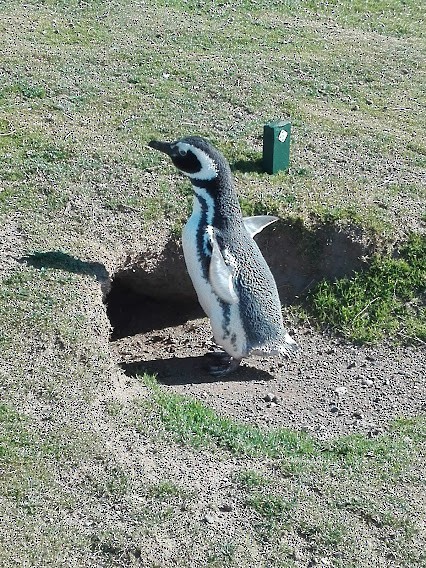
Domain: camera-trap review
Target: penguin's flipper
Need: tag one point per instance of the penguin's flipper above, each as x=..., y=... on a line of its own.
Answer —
x=221, y=273
x=257, y=223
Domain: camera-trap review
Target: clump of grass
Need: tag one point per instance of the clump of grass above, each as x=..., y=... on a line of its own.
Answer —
x=250, y=479
x=14, y=438
x=322, y=535
x=30, y=91
x=167, y=489
x=221, y=554
x=267, y=205
x=271, y=507
x=385, y=299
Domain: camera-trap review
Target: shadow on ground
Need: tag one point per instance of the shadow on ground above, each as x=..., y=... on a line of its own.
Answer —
x=63, y=261
x=189, y=370
x=248, y=166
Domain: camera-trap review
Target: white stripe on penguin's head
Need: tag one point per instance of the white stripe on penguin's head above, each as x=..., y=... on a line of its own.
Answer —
x=190, y=155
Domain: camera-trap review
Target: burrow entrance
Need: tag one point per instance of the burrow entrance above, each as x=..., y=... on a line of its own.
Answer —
x=149, y=294
x=131, y=312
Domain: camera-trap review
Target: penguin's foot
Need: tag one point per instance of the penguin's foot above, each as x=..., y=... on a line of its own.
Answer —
x=225, y=364
x=218, y=355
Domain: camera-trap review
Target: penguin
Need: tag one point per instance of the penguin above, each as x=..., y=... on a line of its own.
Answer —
x=233, y=282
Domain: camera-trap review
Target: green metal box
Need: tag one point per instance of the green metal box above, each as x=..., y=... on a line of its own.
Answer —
x=276, y=146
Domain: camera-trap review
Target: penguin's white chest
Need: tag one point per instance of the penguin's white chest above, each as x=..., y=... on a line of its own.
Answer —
x=224, y=318
x=194, y=265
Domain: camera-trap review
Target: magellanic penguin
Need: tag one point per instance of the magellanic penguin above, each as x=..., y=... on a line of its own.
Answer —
x=233, y=282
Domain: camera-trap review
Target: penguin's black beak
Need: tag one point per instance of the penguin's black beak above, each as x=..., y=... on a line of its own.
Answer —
x=165, y=147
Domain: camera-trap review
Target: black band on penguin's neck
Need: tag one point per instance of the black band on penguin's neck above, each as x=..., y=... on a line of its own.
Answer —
x=210, y=185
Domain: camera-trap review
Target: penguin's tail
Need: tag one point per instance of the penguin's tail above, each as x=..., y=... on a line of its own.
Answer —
x=284, y=346
x=288, y=347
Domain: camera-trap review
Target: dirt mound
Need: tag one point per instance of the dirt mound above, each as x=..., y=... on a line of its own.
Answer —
x=298, y=256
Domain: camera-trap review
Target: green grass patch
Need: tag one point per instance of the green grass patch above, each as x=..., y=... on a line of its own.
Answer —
x=29, y=91
x=221, y=554
x=166, y=490
x=250, y=479
x=195, y=423
x=267, y=205
x=192, y=422
x=273, y=508
x=387, y=298
x=15, y=438
x=322, y=536
x=368, y=218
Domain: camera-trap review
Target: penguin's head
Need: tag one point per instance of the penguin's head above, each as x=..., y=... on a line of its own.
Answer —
x=193, y=156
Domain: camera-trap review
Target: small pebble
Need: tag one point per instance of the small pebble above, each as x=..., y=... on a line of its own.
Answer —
x=334, y=409
x=367, y=382
x=156, y=338
x=340, y=390
x=209, y=519
x=375, y=432
x=351, y=365
x=226, y=507
x=357, y=414
x=271, y=397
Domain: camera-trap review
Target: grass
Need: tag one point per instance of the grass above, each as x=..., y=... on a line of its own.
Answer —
x=387, y=298
x=318, y=97
x=194, y=423
x=90, y=477
x=313, y=489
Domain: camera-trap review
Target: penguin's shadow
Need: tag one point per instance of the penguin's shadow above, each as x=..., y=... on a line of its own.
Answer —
x=189, y=370
x=63, y=261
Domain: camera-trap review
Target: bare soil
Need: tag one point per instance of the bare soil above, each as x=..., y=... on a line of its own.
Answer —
x=332, y=388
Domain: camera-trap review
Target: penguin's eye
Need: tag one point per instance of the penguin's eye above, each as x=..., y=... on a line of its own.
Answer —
x=182, y=152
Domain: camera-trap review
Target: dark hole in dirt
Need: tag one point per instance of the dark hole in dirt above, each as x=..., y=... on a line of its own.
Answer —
x=154, y=292
x=131, y=313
